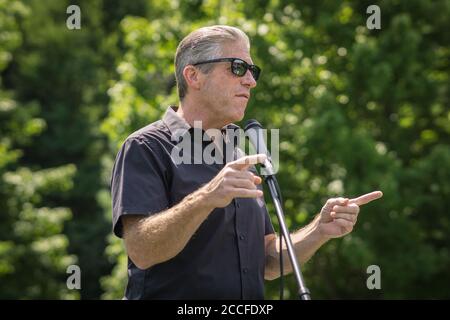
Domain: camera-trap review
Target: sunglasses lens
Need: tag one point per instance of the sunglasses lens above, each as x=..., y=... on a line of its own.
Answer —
x=239, y=68
x=255, y=72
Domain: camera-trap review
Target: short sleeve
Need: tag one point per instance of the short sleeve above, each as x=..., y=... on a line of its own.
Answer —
x=138, y=185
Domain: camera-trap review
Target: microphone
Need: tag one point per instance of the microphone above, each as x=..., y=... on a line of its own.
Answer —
x=254, y=131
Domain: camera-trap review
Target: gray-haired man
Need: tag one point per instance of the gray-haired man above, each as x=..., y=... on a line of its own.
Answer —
x=202, y=231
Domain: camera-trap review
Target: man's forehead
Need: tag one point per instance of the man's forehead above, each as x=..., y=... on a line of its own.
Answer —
x=237, y=50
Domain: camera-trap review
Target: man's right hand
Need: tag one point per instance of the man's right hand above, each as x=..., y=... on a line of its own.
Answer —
x=235, y=181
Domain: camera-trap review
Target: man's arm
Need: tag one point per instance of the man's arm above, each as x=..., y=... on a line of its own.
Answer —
x=157, y=238
x=305, y=241
x=336, y=219
x=160, y=237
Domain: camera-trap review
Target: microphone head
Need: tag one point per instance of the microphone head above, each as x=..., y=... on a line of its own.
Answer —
x=252, y=123
x=255, y=133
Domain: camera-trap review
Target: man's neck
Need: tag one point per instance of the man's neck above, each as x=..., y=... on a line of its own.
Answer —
x=191, y=112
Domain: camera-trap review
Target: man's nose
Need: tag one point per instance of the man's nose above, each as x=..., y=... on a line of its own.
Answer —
x=248, y=80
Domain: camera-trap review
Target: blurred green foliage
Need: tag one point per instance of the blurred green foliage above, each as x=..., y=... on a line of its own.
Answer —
x=358, y=110
x=33, y=247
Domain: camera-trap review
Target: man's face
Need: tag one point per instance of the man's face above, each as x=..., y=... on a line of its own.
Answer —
x=225, y=94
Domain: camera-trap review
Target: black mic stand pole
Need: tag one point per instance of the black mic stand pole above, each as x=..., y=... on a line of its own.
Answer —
x=272, y=183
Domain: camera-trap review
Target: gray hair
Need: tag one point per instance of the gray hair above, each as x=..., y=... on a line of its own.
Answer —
x=203, y=44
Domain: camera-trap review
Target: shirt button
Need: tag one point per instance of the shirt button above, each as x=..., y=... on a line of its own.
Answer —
x=245, y=270
x=242, y=237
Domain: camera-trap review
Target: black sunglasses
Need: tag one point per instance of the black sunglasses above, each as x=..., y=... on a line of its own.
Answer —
x=238, y=66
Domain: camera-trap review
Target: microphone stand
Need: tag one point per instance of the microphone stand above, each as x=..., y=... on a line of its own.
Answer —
x=275, y=192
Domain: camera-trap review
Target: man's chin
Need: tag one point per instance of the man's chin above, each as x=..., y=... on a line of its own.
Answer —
x=240, y=113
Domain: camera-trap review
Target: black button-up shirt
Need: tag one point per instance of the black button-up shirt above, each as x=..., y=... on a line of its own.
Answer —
x=225, y=258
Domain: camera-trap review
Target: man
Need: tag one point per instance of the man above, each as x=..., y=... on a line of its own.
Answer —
x=197, y=230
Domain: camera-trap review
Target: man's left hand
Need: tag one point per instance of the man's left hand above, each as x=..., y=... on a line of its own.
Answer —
x=338, y=216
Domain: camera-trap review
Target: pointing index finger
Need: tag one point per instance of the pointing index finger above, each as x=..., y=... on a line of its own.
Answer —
x=246, y=161
x=366, y=198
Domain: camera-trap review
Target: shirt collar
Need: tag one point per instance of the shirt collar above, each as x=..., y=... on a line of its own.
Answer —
x=178, y=126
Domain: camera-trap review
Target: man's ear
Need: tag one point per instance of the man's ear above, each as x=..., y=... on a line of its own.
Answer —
x=193, y=77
